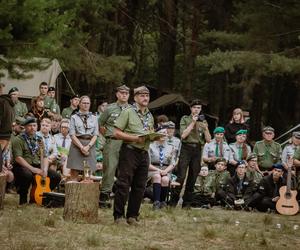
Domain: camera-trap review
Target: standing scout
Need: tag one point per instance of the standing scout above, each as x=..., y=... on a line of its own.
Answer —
x=20, y=107
x=194, y=132
x=134, y=158
x=268, y=151
x=112, y=147
x=55, y=107
x=67, y=112
x=48, y=101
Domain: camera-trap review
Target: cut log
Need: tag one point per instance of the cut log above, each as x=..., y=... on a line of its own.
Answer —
x=81, y=202
x=2, y=189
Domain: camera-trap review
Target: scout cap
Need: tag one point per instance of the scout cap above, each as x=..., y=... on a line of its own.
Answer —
x=75, y=96
x=242, y=132
x=141, y=90
x=20, y=120
x=277, y=166
x=29, y=120
x=219, y=130
x=251, y=156
x=14, y=89
x=221, y=159
x=268, y=129
x=123, y=88
x=296, y=134
x=2, y=84
x=51, y=89
x=195, y=102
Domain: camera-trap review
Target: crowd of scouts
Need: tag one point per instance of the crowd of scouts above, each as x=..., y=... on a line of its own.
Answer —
x=139, y=159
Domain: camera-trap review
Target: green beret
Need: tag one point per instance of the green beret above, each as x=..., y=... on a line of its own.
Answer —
x=195, y=102
x=219, y=130
x=242, y=132
x=20, y=120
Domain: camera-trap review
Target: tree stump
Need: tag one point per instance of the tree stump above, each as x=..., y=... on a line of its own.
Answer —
x=81, y=202
x=2, y=189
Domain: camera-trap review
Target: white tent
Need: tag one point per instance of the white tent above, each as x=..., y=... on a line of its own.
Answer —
x=29, y=87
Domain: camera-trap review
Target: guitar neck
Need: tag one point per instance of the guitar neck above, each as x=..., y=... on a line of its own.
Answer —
x=288, y=182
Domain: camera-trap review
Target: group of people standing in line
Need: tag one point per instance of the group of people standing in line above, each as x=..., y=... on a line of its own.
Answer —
x=140, y=155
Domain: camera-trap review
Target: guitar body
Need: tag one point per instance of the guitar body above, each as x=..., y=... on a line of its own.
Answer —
x=41, y=185
x=287, y=203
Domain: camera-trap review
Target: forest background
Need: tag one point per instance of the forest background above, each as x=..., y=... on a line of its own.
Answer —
x=228, y=53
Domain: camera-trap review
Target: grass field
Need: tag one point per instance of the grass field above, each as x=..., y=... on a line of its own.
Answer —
x=32, y=227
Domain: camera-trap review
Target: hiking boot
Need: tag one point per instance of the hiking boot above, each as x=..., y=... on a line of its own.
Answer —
x=120, y=221
x=156, y=205
x=104, y=201
x=132, y=221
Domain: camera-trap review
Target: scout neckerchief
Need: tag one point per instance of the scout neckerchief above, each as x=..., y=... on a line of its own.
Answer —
x=240, y=151
x=145, y=121
x=31, y=143
x=83, y=117
x=161, y=155
x=219, y=149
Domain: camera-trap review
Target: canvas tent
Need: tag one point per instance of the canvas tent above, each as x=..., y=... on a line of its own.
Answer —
x=29, y=87
x=167, y=100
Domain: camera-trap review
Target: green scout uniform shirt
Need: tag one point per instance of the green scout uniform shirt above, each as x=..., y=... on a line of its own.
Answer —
x=196, y=135
x=267, y=154
x=297, y=154
x=130, y=122
x=67, y=112
x=205, y=185
x=48, y=102
x=221, y=178
x=108, y=118
x=254, y=176
x=20, y=148
x=20, y=109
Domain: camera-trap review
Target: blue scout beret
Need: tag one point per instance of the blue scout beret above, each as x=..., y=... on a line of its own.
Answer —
x=278, y=166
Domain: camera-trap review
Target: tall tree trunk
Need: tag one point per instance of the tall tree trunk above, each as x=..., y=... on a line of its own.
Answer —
x=167, y=42
x=193, y=47
x=256, y=112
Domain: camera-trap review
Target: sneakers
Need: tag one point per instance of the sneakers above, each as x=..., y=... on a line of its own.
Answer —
x=156, y=205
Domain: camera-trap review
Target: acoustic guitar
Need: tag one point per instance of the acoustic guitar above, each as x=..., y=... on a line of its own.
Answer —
x=41, y=184
x=287, y=203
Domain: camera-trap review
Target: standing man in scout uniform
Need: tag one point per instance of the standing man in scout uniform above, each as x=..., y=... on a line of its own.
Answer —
x=55, y=107
x=7, y=116
x=112, y=146
x=268, y=151
x=20, y=107
x=134, y=159
x=194, y=133
x=216, y=148
x=27, y=156
x=48, y=101
x=67, y=112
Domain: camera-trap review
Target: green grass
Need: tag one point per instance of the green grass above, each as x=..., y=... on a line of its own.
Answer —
x=32, y=227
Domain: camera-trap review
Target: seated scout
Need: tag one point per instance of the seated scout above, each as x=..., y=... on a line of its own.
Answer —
x=239, y=189
x=253, y=172
x=27, y=154
x=162, y=161
x=221, y=177
x=205, y=188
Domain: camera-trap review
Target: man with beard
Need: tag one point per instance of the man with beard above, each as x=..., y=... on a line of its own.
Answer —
x=20, y=107
x=134, y=159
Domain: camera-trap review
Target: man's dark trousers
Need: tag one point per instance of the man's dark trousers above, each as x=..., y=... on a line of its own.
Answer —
x=190, y=156
x=132, y=174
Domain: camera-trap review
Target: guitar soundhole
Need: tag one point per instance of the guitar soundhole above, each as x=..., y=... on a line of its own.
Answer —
x=43, y=182
x=288, y=195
